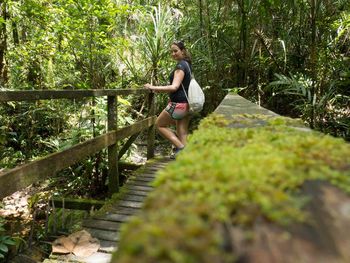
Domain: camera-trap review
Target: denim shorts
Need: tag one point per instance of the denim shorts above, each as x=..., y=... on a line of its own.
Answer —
x=177, y=110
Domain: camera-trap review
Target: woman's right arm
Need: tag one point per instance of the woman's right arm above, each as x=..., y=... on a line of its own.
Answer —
x=178, y=78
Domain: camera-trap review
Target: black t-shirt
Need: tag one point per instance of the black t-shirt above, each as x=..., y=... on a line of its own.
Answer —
x=179, y=95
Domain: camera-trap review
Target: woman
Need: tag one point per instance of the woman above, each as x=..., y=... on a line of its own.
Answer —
x=176, y=112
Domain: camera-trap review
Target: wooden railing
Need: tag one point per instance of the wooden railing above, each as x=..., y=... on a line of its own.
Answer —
x=24, y=175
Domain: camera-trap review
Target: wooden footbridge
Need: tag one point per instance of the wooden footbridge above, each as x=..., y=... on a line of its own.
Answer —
x=326, y=240
x=22, y=176
x=107, y=226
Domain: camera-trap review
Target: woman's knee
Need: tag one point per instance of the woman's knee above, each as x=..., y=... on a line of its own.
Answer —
x=160, y=123
x=159, y=127
x=182, y=125
x=163, y=120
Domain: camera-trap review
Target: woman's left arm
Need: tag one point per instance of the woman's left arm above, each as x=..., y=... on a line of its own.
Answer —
x=178, y=78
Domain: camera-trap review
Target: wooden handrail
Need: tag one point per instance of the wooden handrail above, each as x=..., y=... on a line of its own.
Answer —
x=24, y=175
x=30, y=95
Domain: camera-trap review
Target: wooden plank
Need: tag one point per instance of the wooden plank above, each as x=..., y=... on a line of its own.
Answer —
x=140, y=183
x=98, y=257
x=136, y=198
x=123, y=210
x=234, y=104
x=108, y=246
x=132, y=204
x=145, y=178
x=135, y=128
x=103, y=234
x=115, y=217
x=127, y=145
x=101, y=224
x=77, y=204
x=153, y=169
x=138, y=192
x=32, y=95
x=160, y=166
x=142, y=179
x=147, y=175
x=132, y=187
x=138, y=188
x=128, y=166
x=24, y=175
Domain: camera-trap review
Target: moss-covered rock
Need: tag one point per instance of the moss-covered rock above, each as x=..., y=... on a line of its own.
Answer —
x=231, y=176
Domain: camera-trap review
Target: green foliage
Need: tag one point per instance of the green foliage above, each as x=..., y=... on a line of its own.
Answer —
x=109, y=44
x=5, y=241
x=330, y=107
x=25, y=127
x=292, y=86
x=240, y=46
x=233, y=176
x=66, y=220
x=145, y=55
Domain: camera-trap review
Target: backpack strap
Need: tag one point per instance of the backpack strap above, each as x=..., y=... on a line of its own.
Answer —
x=184, y=92
x=189, y=68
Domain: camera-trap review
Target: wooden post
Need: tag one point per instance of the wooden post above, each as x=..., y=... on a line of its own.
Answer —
x=113, y=174
x=151, y=130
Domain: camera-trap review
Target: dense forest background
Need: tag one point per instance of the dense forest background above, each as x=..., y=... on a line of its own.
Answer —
x=289, y=56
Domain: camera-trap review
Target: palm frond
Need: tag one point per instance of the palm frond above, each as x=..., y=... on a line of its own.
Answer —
x=292, y=86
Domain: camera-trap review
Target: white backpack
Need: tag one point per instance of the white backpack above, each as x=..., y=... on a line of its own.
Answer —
x=195, y=96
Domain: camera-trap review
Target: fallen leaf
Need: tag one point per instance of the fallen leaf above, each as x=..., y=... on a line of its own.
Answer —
x=86, y=249
x=80, y=243
x=62, y=245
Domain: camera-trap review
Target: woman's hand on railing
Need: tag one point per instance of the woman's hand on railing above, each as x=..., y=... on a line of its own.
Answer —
x=149, y=86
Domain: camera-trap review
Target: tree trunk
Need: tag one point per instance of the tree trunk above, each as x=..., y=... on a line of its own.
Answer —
x=209, y=33
x=15, y=33
x=313, y=58
x=3, y=44
x=243, y=45
x=201, y=26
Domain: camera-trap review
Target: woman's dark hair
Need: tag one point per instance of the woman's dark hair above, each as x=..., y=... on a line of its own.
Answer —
x=187, y=56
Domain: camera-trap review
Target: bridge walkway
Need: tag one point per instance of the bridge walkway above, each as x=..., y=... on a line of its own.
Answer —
x=106, y=225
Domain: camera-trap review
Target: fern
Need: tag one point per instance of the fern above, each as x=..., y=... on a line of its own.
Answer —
x=292, y=86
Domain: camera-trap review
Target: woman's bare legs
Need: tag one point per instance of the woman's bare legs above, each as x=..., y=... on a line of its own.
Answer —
x=182, y=129
x=163, y=122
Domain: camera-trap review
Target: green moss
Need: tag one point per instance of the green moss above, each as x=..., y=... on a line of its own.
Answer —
x=111, y=202
x=235, y=176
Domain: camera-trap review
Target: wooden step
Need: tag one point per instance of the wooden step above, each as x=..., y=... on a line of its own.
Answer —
x=108, y=246
x=150, y=177
x=141, y=178
x=139, y=188
x=101, y=224
x=98, y=257
x=106, y=227
x=104, y=234
x=132, y=204
x=115, y=217
x=131, y=197
x=117, y=209
x=139, y=183
x=138, y=193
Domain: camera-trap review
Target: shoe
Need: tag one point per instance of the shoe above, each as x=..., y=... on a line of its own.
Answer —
x=175, y=153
